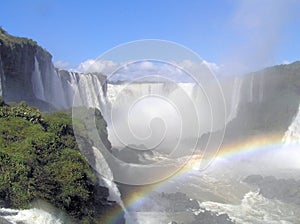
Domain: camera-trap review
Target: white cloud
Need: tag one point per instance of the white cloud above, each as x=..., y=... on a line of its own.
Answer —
x=201, y=68
x=61, y=64
x=286, y=62
x=91, y=65
x=83, y=66
x=135, y=70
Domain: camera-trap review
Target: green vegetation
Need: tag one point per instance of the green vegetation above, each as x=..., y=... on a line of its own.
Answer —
x=12, y=40
x=39, y=159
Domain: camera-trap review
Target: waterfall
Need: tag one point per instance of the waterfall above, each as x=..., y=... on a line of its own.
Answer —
x=292, y=135
x=235, y=98
x=261, y=89
x=37, y=81
x=1, y=75
x=106, y=178
x=48, y=87
x=250, y=99
x=70, y=87
x=91, y=91
x=58, y=89
x=57, y=95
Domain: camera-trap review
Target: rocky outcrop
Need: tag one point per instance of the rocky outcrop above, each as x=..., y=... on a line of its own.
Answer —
x=180, y=203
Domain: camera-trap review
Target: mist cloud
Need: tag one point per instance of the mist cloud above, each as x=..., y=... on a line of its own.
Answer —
x=258, y=26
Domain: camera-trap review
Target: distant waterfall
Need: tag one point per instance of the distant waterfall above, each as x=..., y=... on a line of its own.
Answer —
x=48, y=87
x=91, y=90
x=56, y=93
x=292, y=135
x=70, y=87
x=37, y=81
x=261, y=89
x=58, y=89
x=1, y=76
x=250, y=99
x=235, y=98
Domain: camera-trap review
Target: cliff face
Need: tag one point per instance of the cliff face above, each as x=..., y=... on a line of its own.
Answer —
x=17, y=64
x=268, y=101
x=27, y=74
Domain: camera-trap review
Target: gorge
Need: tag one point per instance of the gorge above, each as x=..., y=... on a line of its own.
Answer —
x=258, y=104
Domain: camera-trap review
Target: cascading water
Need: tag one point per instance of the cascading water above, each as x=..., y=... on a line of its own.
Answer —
x=37, y=81
x=250, y=99
x=57, y=93
x=58, y=89
x=292, y=135
x=261, y=89
x=48, y=87
x=91, y=91
x=106, y=178
x=70, y=87
x=1, y=76
x=235, y=98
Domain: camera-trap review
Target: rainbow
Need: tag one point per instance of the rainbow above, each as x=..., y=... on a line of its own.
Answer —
x=252, y=146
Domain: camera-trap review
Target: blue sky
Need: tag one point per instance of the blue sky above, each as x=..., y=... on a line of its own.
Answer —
x=258, y=33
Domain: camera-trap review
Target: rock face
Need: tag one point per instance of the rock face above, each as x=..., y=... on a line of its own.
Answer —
x=268, y=101
x=16, y=66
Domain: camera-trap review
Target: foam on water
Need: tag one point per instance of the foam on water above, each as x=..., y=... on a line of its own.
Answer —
x=255, y=209
x=29, y=216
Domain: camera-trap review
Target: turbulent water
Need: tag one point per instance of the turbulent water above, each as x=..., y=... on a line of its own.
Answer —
x=30, y=216
x=254, y=208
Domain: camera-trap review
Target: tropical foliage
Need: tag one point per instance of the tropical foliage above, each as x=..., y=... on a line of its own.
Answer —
x=39, y=159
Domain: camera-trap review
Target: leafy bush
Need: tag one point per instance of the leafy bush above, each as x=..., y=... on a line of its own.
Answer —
x=40, y=159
